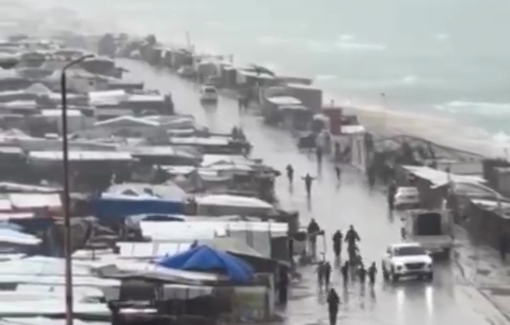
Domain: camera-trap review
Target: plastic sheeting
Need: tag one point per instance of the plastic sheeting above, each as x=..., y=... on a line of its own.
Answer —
x=17, y=237
x=205, y=258
x=233, y=200
x=169, y=191
x=115, y=209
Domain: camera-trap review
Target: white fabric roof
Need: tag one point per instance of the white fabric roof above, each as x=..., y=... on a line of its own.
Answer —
x=284, y=100
x=18, y=238
x=195, y=230
x=440, y=178
x=126, y=118
x=81, y=155
x=233, y=200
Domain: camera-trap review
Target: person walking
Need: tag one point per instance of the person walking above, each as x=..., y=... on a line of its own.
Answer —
x=362, y=273
x=337, y=244
x=338, y=172
x=503, y=246
x=240, y=102
x=333, y=304
x=327, y=273
x=345, y=272
x=320, y=274
x=392, y=191
x=312, y=232
x=283, y=285
x=308, y=184
x=372, y=271
x=318, y=152
x=290, y=173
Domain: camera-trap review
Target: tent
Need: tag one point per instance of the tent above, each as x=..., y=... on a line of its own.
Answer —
x=205, y=258
x=114, y=209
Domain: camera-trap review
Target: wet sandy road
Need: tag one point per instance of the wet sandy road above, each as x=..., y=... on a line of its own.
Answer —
x=336, y=205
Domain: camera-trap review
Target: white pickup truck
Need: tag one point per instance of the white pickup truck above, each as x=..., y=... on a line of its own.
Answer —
x=433, y=229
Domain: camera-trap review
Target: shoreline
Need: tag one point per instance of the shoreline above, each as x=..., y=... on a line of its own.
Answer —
x=445, y=130
x=440, y=130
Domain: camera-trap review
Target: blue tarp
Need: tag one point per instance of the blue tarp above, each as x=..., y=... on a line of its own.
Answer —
x=205, y=258
x=116, y=210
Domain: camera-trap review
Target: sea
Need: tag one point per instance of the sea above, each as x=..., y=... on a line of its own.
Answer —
x=444, y=58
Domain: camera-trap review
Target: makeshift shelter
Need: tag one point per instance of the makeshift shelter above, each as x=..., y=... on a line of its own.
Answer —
x=10, y=236
x=205, y=258
x=169, y=191
x=117, y=209
x=217, y=205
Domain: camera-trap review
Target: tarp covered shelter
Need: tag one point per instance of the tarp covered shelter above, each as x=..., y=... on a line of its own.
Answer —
x=207, y=259
x=117, y=209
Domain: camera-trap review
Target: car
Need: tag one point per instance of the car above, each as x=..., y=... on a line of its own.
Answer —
x=208, y=94
x=407, y=259
x=186, y=71
x=407, y=198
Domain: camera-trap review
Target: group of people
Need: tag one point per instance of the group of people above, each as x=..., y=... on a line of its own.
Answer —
x=308, y=179
x=354, y=260
x=351, y=268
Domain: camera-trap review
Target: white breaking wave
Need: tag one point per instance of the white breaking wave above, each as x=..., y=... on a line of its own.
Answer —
x=360, y=46
x=409, y=79
x=502, y=137
x=441, y=130
x=478, y=108
x=442, y=37
x=345, y=43
x=274, y=40
x=323, y=77
x=347, y=37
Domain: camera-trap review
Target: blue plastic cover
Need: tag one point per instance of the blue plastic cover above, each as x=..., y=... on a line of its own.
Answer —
x=206, y=259
x=116, y=210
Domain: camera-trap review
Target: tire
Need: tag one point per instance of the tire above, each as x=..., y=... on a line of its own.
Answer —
x=429, y=277
x=394, y=277
x=446, y=253
x=385, y=274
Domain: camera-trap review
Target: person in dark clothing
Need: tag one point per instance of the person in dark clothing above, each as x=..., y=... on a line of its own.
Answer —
x=320, y=274
x=241, y=104
x=503, y=246
x=290, y=173
x=351, y=237
x=337, y=151
x=327, y=273
x=371, y=176
x=291, y=251
x=362, y=273
x=392, y=190
x=234, y=132
x=333, y=304
x=313, y=229
x=338, y=172
x=337, y=243
x=318, y=152
x=345, y=271
x=372, y=271
x=283, y=285
x=308, y=184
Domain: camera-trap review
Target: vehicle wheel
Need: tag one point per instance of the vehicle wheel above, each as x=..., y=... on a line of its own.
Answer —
x=385, y=274
x=394, y=277
x=429, y=277
x=446, y=253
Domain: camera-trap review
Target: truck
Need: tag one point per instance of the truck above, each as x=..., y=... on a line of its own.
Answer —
x=433, y=229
